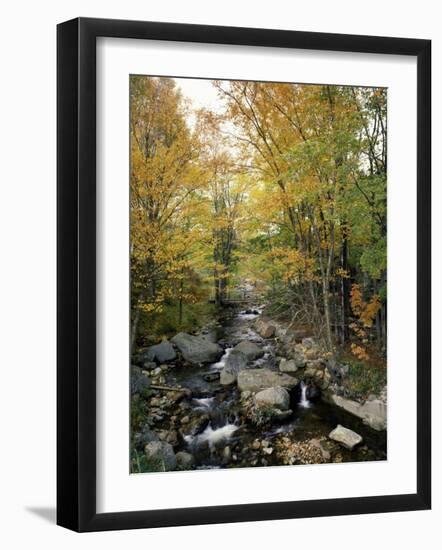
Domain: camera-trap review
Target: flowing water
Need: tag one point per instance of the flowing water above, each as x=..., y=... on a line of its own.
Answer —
x=303, y=401
x=223, y=439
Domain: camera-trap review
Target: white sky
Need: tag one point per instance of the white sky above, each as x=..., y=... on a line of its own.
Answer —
x=200, y=91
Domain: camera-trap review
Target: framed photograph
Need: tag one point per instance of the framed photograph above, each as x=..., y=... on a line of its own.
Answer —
x=243, y=274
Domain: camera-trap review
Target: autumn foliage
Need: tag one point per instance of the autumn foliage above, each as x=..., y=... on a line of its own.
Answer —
x=284, y=184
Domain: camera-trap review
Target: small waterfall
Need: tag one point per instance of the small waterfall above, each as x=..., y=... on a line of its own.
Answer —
x=304, y=402
x=220, y=364
x=203, y=402
x=244, y=316
x=212, y=436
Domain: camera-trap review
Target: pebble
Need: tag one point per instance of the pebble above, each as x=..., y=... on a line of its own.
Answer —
x=227, y=453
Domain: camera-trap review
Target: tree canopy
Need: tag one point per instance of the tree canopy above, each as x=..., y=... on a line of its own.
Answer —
x=284, y=186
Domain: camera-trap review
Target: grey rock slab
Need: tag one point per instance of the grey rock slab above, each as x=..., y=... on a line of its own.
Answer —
x=197, y=350
x=162, y=353
x=259, y=379
x=249, y=349
x=373, y=413
x=345, y=437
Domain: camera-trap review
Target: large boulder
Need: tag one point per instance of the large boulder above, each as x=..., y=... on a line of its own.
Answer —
x=160, y=456
x=235, y=362
x=162, y=353
x=249, y=349
x=266, y=329
x=373, y=413
x=259, y=379
x=278, y=398
x=210, y=336
x=345, y=437
x=139, y=382
x=197, y=350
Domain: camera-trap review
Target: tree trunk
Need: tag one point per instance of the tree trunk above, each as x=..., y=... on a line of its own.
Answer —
x=134, y=328
x=180, y=305
x=345, y=290
x=326, y=299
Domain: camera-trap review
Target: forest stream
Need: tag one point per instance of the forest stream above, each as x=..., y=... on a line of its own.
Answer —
x=213, y=428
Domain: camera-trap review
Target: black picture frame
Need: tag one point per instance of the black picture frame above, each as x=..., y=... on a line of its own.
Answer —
x=77, y=286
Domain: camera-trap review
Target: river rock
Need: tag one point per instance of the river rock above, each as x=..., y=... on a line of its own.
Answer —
x=227, y=454
x=273, y=397
x=160, y=456
x=308, y=343
x=162, y=353
x=235, y=362
x=288, y=365
x=145, y=436
x=265, y=329
x=373, y=413
x=347, y=438
x=299, y=359
x=197, y=350
x=139, y=382
x=184, y=460
x=148, y=365
x=249, y=349
x=259, y=379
